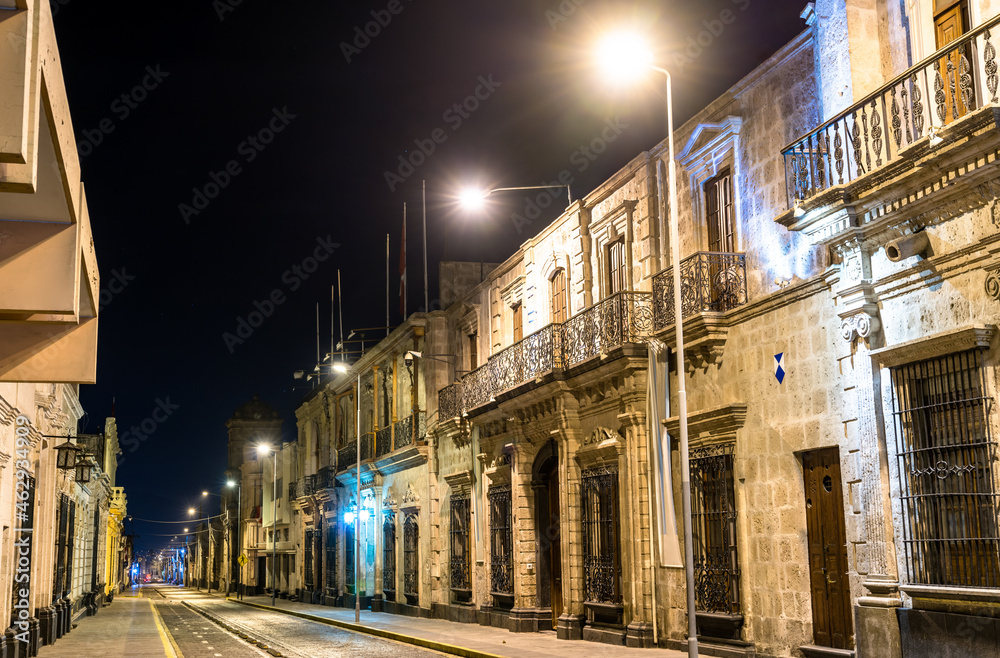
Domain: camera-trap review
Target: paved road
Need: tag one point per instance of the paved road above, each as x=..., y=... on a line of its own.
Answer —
x=198, y=636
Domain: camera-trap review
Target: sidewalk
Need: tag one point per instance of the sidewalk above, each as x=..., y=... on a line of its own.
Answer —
x=128, y=628
x=456, y=638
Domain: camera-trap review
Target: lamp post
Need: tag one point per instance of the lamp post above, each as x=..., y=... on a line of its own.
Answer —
x=263, y=450
x=208, y=542
x=239, y=532
x=626, y=54
x=474, y=198
x=202, y=559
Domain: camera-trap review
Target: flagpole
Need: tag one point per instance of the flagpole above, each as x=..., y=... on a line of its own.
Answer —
x=427, y=305
x=403, y=258
x=340, y=311
x=386, y=284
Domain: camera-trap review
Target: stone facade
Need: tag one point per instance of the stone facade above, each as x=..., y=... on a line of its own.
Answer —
x=829, y=250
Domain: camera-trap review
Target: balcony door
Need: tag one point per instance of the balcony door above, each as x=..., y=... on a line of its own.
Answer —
x=720, y=277
x=950, y=20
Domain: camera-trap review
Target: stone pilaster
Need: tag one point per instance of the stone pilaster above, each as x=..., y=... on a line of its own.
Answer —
x=876, y=627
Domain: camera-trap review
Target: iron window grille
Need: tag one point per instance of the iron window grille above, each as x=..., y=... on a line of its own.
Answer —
x=460, y=541
x=411, y=565
x=713, y=525
x=501, y=540
x=349, y=561
x=307, y=549
x=389, y=556
x=601, y=558
x=945, y=454
x=331, y=558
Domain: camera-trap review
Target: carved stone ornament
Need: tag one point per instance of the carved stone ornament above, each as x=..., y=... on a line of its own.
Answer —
x=993, y=284
x=410, y=498
x=995, y=213
x=861, y=325
x=389, y=502
x=600, y=435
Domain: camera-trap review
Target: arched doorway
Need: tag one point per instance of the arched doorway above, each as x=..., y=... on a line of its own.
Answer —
x=545, y=484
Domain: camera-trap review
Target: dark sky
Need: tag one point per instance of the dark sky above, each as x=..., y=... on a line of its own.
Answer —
x=175, y=103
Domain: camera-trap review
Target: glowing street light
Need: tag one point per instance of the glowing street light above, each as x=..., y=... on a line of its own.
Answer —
x=474, y=199
x=624, y=57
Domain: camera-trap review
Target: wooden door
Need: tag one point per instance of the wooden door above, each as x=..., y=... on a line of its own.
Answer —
x=828, y=577
x=555, y=554
x=948, y=26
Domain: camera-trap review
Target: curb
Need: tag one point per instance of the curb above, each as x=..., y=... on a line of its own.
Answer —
x=433, y=645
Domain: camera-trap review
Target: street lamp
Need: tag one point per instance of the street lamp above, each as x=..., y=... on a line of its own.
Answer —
x=263, y=450
x=239, y=531
x=474, y=198
x=624, y=57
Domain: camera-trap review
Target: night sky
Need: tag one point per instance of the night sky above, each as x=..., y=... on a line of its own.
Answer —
x=226, y=144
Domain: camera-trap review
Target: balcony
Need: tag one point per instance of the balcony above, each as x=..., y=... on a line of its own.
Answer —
x=711, y=281
x=871, y=141
x=623, y=318
x=384, y=442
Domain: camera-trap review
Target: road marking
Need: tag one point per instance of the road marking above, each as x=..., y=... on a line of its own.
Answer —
x=170, y=648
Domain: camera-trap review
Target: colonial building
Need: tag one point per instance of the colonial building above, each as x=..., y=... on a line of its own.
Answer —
x=839, y=302
x=54, y=517
x=252, y=425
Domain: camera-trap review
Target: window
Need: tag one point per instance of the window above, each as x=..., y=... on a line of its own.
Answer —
x=517, y=329
x=616, y=261
x=719, y=213
x=411, y=565
x=501, y=540
x=713, y=513
x=601, y=561
x=331, y=558
x=557, y=284
x=460, y=542
x=389, y=557
x=946, y=451
x=473, y=351
x=349, y=561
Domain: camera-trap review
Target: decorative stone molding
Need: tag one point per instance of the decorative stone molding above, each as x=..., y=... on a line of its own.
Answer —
x=498, y=470
x=460, y=482
x=601, y=448
x=600, y=435
x=513, y=293
x=860, y=324
x=411, y=500
x=4, y=458
x=992, y=284
x=711, y=426
x=389, y=502
x=948, y=342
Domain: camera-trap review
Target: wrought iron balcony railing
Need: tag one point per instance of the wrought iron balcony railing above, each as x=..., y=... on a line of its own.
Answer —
x=367, y=446
x=710, y=281
x=625, y=317
x=876, y=131
x=450, y=401
x=383, y=441
x=406, y=433
x=347, y=456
